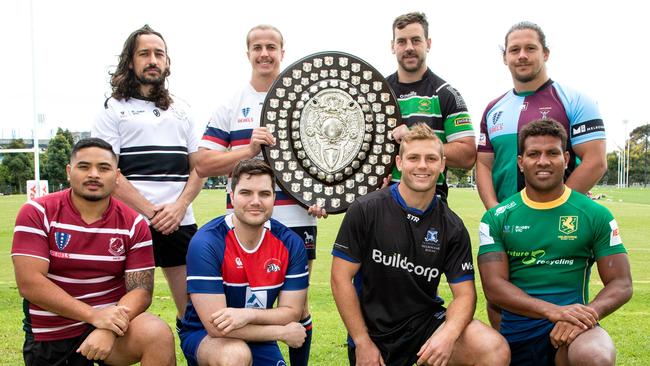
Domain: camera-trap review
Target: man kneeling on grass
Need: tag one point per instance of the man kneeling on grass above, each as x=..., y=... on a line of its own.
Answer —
x=84, y=265
x=237, y=266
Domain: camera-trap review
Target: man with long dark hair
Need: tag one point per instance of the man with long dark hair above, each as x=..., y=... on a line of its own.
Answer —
x=155, y=140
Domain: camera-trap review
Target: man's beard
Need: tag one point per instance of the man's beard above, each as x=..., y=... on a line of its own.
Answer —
x=155, y=81
x=417, y=66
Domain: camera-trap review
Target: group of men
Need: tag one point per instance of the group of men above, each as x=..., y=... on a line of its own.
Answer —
x=84, y=257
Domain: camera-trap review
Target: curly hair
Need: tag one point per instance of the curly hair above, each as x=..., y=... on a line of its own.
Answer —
x=124, y=82
x=542, y=127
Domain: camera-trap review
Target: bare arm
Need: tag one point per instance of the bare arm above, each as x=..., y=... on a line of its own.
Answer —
x=439, y=346
x=499, y=290
x=212, y=163
x=127, y=193
x=461, y=153
x=349, y=308
x=614, y=271
x=593, y=165
x=170, y=215
x=484, y=182
x=139, y=287
x=33, y=285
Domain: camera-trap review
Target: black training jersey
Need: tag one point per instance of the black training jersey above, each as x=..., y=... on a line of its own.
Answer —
x=402, y=252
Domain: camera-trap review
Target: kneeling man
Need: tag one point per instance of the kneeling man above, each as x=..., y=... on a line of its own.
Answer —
x=84, y=265
x=391, y=250
x=237, y=266
x=535, y=256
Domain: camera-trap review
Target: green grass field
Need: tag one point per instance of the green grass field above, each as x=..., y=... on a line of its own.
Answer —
x=629, y=326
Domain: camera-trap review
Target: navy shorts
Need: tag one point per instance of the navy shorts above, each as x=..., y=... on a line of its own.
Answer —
x=537, y=351
x=171, y=250
x=308, y=236
x=264, y=353
x=56, y=353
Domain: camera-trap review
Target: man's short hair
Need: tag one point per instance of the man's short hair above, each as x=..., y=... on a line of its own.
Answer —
x=409, y=18
x=263, y=27
x=542, y=127
x=420, y=131
x=251, y=167
x=523, y=26
x=92, y=142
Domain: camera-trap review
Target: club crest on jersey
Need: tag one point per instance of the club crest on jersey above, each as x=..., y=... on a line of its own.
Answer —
x=116, y=246
x=568, y=224
x=424, y=105
x=62, y=239
x=156, y=112
x=272, y=265
x=255, y=299
x=496, y=116
x=432, y=236
x=544, y=111
x=245, y=111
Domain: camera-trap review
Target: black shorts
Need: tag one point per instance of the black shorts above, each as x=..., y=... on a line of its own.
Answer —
x=536, y=351
x=171, y=250
x=308, y=236
x=401, y=348
x=56, y=353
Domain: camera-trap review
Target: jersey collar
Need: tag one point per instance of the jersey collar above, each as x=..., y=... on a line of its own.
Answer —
x=400, y=201
x=527, y=93
x=546, y=205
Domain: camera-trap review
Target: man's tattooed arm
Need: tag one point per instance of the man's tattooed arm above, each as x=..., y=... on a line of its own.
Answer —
x=139, y=279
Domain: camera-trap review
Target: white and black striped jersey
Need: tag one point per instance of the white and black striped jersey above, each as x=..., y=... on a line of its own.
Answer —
x=153, y=146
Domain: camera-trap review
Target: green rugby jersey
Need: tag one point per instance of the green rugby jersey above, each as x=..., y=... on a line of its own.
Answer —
x=440, y=106
x=551, y=248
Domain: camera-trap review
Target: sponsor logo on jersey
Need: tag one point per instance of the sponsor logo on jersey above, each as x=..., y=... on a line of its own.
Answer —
x=135, y=113
x=545, y=111
x=584, y=128
x=116, y=246
x=614, y=236
x=410, y=94
x=462, y=121
x=272, y=265
x=238, y=262
x=412, y=217
x=396, y=260
x=467, y=266
x=568, y=224
x=515, y=229
x=533, y=256
x=537, y=257
x=255, y=299
x=496, y=116
x=502, y=209
x=62, y=239
x=245, y=111
x=482, y=140
x=156, y=112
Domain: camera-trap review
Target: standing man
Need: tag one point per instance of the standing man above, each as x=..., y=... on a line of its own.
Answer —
x=536, y=96
x=234, y=133
x=390, y=252
x=84, y=265
x=425, y=98
x=155, y=139
x=238, y=265
x=536, y=252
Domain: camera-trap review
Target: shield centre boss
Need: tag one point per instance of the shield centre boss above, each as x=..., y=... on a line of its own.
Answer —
x=332, y=115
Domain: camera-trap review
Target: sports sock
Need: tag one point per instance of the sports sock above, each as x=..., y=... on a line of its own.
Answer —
x=300, y=356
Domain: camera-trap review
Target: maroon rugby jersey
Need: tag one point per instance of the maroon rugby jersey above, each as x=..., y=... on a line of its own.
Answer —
x=86, y=261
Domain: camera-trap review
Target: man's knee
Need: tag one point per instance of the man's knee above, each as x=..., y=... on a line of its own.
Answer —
x=228, y=352
x=152, y=333
x=595, y=349
x=484, y=345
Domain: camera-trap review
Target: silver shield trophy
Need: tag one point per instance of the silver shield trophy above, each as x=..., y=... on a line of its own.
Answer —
x=332, y=115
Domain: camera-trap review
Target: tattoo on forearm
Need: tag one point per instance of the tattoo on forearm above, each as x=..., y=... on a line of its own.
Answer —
x=139, y=279
x=490, y=257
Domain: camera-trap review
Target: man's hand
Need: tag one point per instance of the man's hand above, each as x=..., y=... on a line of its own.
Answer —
x=98, y=344
x=577, y=314
x=399, y=132
x=436, y=351
x=113, y=318
x=564, y=333
x=317, y=211
x=367, y=354
x=294, y=335
x=229, y=319
x=260, y=136
x=168, y=217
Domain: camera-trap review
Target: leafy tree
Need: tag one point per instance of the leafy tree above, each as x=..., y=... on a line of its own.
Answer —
x=56, y=158
x=19, y=165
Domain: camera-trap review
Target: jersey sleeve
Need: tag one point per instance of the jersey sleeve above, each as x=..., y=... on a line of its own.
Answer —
x=350, y=239
x=31, y=232
x=607, y=238
x=488, y=235
x=484, y=144
x=457, y=122
x=458, y=266
x=217, y=131
x=140, y=253
x=192, y=136
x=585, y=120
x=106, y=128
x=297, y=275
x=204, y=260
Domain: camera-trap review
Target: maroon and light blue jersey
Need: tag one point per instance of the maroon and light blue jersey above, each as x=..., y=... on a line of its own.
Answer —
x=88, y=261
x=218, y=264
x=507, y=115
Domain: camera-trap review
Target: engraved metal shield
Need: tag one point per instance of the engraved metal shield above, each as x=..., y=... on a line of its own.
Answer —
x=332, y=115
